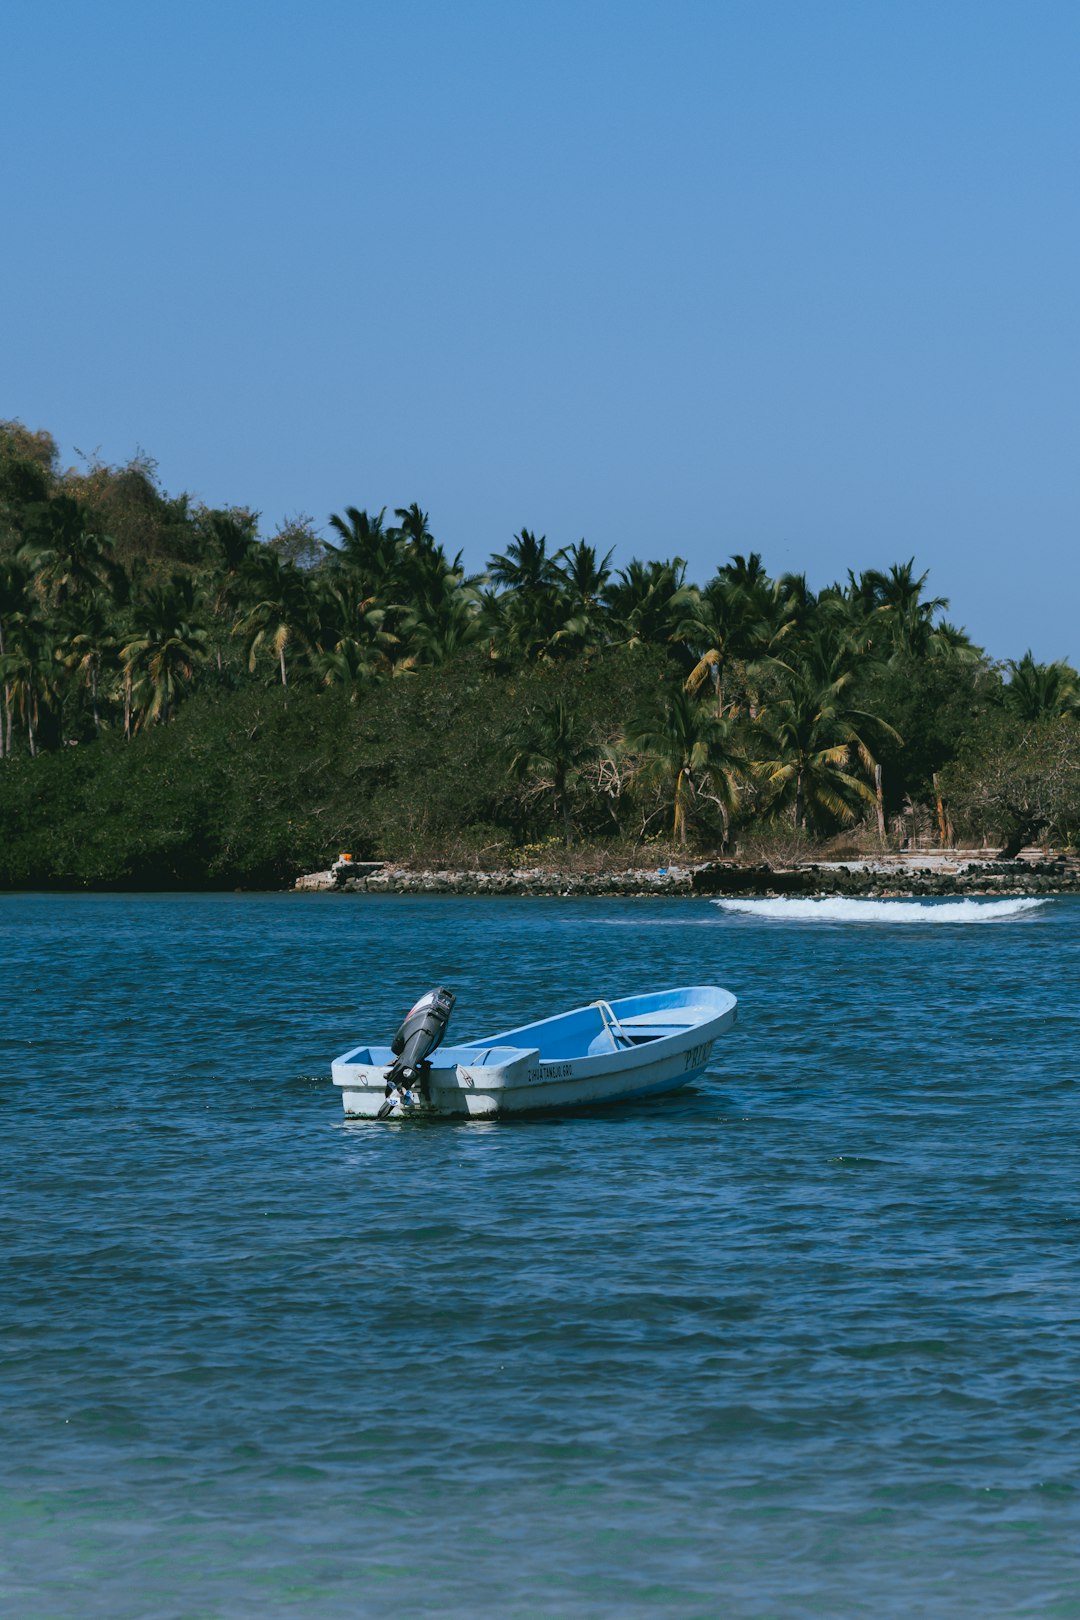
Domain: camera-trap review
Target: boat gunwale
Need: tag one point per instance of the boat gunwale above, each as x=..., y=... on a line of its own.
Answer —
x=599, y=1064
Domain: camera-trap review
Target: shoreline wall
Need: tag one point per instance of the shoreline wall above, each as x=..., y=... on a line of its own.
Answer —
x=881, y=880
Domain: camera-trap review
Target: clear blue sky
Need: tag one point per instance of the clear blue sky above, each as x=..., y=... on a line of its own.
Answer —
x=681, y=278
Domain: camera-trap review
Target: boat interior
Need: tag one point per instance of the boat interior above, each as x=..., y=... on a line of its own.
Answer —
x=589, y=1031
x=605, y=1027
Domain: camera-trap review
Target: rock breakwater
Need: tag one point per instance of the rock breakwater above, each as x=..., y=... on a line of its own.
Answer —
x=899, y=877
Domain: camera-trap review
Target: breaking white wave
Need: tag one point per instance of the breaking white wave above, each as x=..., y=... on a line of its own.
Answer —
x=881, y=911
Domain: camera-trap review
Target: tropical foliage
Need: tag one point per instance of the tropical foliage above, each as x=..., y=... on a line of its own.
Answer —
x=183, y=699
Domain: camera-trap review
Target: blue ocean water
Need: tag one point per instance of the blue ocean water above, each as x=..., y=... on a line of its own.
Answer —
x=804, y=1341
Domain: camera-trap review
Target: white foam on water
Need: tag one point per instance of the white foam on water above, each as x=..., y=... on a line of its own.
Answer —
x=880, y=911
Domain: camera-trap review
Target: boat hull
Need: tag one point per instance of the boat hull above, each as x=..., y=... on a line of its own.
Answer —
x=655, y=1046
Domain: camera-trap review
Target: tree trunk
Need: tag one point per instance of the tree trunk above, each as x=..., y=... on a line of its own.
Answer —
x=564, y=806
x=127, y=705
x=940, y=812
x=799, y=800
x=679, y=827
x=880, y=796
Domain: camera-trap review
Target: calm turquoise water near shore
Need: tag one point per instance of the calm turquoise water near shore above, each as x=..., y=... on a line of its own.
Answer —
x=802, y=1342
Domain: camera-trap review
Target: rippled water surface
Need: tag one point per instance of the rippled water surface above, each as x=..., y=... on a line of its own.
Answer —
x=802, y=1342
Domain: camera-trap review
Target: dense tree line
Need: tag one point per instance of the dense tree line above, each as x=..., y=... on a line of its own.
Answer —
x=184, y=701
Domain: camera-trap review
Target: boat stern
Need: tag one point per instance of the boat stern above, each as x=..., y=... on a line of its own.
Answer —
x=466, y=1081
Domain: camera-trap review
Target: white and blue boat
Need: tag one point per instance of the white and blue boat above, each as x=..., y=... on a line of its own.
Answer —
x=606, y=1052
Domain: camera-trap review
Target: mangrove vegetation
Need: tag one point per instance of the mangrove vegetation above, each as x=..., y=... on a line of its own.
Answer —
x=184, y=701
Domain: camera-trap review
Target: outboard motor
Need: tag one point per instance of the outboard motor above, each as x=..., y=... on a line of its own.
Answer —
x=423, y=1029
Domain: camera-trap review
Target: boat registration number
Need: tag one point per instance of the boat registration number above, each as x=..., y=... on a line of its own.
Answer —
x=697, y=1055
x=551, y=1071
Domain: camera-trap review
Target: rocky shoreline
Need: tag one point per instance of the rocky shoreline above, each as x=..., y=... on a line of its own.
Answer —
x=915, y=877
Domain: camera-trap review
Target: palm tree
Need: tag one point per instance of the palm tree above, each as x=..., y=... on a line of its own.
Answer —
x=950, y=642
x=447, y=620
x=898, y=612
x=641, y=601
x=89, y=642
x=284, y=614
x=29, y=669
x=746, y=573
x=412, y=528
x=814, y=749
x=524, y=565
x=551, y=748
x=67, y=554
x=233, y=535
x=14, y=606
x=369, y=552
x=725, y=623
x=160, y=659
x=528, y=615
x=826, y=647
x=692, y=754
x=349, y=664
x=583, y=576
x=582, y=584
x=349, y=619
x=1042, y=691
x=791, y=611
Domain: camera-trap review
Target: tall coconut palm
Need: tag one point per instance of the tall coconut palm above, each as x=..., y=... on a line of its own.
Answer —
x=584, y=576
x=66, y=551
x=724, y=624
x=641, y=601
x=950, y=643
x=29, y=671
x=367, y=551
x=348, y=617
x=413, y=528
x=525, y=564
x=234, y=541
x=88, y=645
x=15, y=605
x=582, y=584
x=529, y=612
x=282, y=617
x=814, y=756
x=790, y=611
x=160, y=660
x=353, y=665
x=746, y=573
x=899, y=614
x=551, y=748
x=822, y=649
x=496, y=626
x=1042, y=691
x=691, y=753
x=447, y=619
